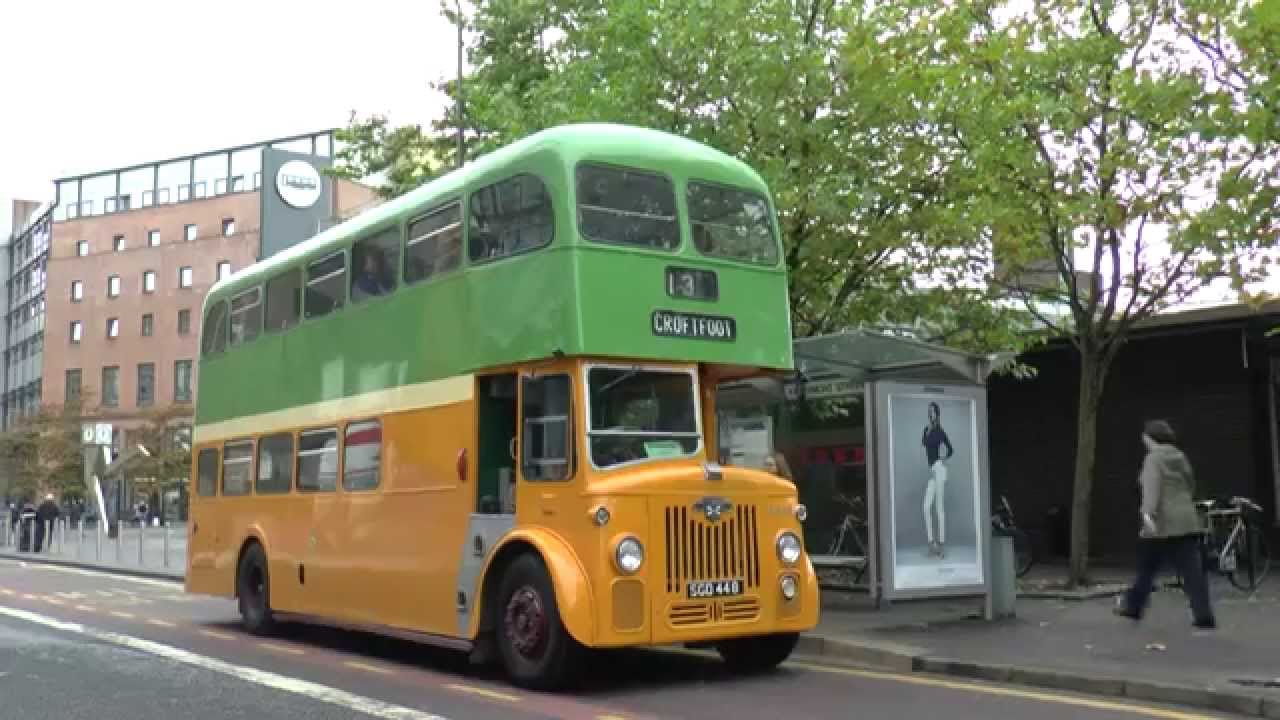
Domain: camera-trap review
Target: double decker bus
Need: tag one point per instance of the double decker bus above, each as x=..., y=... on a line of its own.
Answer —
x=483, y=414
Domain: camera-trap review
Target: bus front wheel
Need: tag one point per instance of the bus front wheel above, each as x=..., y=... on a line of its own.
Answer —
x=536, y=649
x=757, y=654
x=253, y=587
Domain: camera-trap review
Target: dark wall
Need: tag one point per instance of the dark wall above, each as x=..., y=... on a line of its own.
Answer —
x=1197, y=379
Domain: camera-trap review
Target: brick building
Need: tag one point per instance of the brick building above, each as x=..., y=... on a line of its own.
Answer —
x=134, y=250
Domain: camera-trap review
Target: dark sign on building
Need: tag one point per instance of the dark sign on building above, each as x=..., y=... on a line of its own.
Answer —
x=297, y=199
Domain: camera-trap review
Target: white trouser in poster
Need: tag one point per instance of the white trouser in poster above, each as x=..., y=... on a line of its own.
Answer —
x=935, y=500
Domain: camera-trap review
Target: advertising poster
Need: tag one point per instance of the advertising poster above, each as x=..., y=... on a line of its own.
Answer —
x=934, y=491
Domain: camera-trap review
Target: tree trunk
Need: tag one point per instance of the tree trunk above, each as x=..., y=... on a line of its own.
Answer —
x=1091, y=381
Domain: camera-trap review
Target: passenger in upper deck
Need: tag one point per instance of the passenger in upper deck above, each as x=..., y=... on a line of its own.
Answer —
x=371, y=277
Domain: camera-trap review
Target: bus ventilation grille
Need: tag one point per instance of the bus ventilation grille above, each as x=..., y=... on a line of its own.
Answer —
x=697, y=550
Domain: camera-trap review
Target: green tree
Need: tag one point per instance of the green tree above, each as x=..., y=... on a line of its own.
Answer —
x=42, y=452
x=166, y=436
x=1099, y=148
x=862, y=199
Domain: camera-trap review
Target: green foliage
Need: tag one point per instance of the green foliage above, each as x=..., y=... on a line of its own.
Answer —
x=862, y=201
x=1106, y=147
x=42, y=454
x=170, y=461
x=400, y=157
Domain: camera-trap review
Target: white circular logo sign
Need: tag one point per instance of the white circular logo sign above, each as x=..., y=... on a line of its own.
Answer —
x=298, y=184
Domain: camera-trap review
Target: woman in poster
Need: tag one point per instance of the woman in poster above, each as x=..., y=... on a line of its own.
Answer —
x=935, y=493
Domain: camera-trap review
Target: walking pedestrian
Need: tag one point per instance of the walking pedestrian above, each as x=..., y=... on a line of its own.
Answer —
x=45, y=515
x=1171, y=527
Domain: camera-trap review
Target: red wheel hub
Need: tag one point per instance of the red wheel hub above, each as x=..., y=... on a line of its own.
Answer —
x=525, y=622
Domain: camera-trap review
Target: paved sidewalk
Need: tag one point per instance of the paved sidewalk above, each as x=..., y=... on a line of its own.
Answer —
x=1076, y=645
x=158, y=556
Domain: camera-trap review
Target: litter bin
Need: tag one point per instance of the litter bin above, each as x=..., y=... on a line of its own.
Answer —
x=1004, y=576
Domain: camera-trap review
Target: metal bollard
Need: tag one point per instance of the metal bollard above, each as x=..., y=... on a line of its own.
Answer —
x=48, y=537
x=166, y=545
x=97, y=540
x=119, y=539
x=142, y=541
x=80, y=540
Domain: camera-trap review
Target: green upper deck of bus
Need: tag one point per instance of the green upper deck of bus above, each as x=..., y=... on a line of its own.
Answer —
x=599, y=240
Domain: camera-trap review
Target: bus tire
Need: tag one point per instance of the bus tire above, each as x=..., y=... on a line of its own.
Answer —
x=253, y=588
x=536, y=649
x=757, y=654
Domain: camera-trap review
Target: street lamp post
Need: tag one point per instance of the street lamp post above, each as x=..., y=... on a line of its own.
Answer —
x=459, y=109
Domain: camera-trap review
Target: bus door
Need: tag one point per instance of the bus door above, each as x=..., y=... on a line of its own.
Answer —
x=546, y=435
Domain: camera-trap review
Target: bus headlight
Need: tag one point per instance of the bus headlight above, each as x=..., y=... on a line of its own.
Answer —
x=629, y=555
x=788, y=548
x=789, y=587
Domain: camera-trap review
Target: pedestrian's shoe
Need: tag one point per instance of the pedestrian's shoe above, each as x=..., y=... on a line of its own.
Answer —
x=1122, y=609
x=1205, y=624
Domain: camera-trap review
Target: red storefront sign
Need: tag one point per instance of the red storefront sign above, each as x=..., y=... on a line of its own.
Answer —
x=833, y=455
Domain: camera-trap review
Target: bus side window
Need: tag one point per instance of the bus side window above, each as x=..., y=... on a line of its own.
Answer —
x=326, y=285
x=509, y=217
x=207, y=473
x=373, y=263
x=213, y=338
x=318, y=460
x=435, y=243
x=545, y=413
x=362, y=456
x=246, y=316
x=237, y=467
x=275, y=464
x=284, y=300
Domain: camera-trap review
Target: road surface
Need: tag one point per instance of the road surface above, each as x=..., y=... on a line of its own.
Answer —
x=82, y=644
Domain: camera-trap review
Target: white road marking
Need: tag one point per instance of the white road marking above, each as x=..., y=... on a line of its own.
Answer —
x=166, y=584
x=315, y=691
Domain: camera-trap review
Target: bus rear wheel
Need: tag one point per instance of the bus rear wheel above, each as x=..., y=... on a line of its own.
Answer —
x=757, y=654
x=253, y=587
x=536, y=649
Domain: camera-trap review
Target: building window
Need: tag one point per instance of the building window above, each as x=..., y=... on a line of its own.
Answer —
x=228, y=227
x=73, y=385
x=189, y=232
x=318, y=461
x=184, y=276
x=82, y=248
x=182, y=381
x=275, y=464
x=77, y=290
x=184, y=322
x=111, y=386
x=361, y=456
x=113, y=327
x=153, y=238
x=326, y=285
x=117, y=243
x=149, y=281
x=224, y=270
x=113, y=286
x=148, y=325
x=77, y=331
x=146, y=384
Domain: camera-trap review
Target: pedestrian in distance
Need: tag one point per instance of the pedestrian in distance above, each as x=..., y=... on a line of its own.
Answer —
x=46, y=514
x=1171, y=527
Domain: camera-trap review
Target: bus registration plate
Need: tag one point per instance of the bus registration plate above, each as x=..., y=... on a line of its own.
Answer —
x=715, y=588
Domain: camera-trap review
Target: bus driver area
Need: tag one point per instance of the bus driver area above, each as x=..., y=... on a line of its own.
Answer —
x=483, y=414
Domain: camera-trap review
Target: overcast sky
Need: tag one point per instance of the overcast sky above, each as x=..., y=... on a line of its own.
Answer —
x=92, y=85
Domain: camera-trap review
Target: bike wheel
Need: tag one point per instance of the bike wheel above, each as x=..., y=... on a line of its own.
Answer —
x=1252, y=559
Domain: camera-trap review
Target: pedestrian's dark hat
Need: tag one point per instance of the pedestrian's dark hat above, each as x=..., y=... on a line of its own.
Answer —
x=1160, y=431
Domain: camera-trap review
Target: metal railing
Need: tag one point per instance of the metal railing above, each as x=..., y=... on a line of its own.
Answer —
x=134, y=545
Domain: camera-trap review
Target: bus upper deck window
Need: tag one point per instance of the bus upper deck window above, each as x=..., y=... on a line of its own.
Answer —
x=435, y=243
x=509, y=217
x=373, y=263
x=626, y=207
x=326, y=285
x=731, y=223
x=213, y=339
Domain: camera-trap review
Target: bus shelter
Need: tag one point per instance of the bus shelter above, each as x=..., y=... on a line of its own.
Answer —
x=886, y=440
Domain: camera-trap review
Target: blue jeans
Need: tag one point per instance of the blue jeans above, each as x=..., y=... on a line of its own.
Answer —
x=1184, y=552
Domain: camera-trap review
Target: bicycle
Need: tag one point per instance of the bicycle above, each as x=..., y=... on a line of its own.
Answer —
x=1243, y=556
x=852, y=525
x=1003, y=523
